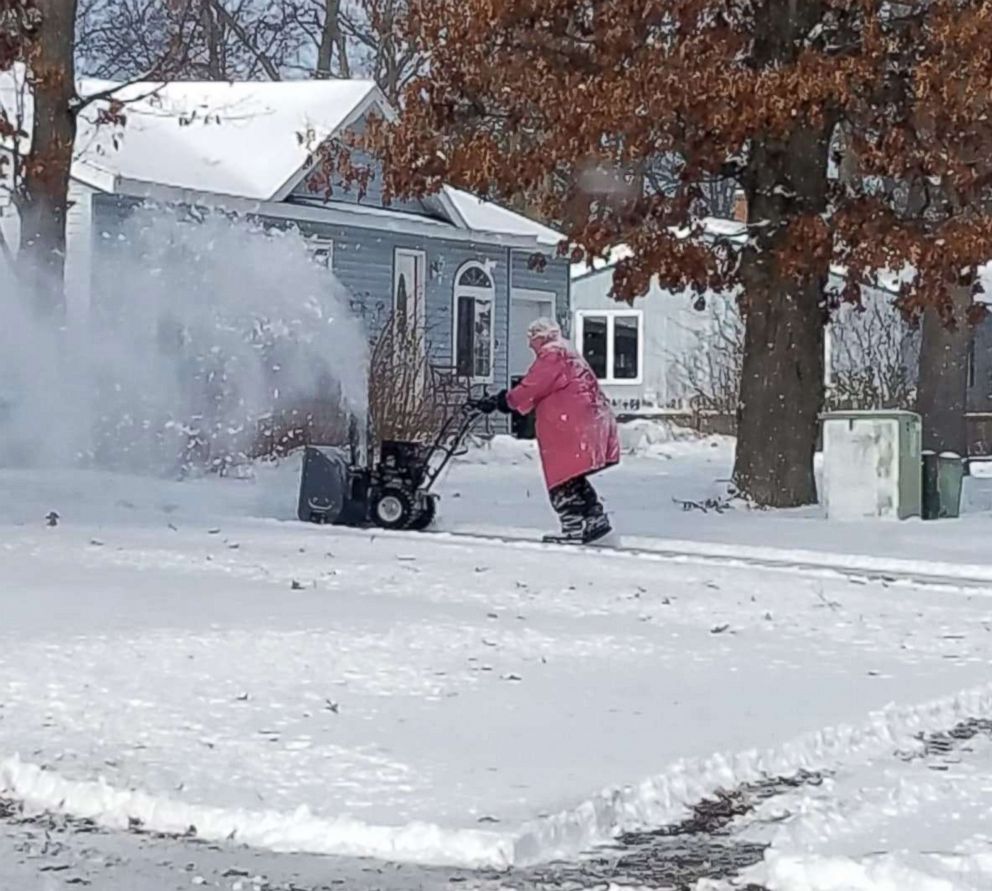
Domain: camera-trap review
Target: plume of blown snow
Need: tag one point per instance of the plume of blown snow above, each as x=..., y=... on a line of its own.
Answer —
x=200, y=326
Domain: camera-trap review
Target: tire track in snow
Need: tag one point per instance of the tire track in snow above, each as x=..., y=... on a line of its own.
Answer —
x=856, y=569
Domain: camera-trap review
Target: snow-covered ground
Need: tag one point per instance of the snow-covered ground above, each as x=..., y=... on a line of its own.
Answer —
x=665, y=467
x=185, y=654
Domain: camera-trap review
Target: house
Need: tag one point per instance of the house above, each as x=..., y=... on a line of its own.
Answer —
x=470, y=273
x=656, y=353
x=680, y=352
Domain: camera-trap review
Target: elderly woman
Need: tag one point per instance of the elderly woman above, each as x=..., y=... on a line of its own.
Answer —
x=576, y=430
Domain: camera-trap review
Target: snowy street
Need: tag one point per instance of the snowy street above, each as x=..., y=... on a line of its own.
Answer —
x=182, y=655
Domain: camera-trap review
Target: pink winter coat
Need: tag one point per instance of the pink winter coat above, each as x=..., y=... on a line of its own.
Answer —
x=576, y=430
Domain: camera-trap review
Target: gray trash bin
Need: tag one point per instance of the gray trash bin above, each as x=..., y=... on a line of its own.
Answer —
x=943, y=480
x=950, y=481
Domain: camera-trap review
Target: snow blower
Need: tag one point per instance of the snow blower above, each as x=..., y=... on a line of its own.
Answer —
x=393, y=492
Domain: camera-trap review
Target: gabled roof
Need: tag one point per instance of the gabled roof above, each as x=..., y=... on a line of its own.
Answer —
x=240, y=139
x=245, y=139
x=713, y=229
x=489, y=217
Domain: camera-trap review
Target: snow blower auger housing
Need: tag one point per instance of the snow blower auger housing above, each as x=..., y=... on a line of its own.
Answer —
x=393, y=492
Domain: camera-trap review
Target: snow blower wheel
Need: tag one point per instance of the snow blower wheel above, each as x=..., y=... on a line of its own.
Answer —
x=394, y=509
x=426, y=514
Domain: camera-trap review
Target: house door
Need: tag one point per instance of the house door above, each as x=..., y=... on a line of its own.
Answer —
x=526, y=307
x=409, y=298
x=409, y=319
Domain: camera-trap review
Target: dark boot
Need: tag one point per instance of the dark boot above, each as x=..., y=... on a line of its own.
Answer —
x=595, y=522
x=568, y=501
x=596, y=528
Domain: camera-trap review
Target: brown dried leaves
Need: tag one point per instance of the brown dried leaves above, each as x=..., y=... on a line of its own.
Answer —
x=523, y=93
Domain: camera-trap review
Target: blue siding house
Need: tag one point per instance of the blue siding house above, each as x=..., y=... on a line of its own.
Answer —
x=472, y=274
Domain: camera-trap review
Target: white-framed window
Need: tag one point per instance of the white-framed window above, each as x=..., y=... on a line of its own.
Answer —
x=322, y=252
x=612, y=342
x=474, y=328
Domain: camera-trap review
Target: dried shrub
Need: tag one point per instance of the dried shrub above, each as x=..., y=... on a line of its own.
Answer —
x=873, y=358
x=410, y=397
x=710, y=370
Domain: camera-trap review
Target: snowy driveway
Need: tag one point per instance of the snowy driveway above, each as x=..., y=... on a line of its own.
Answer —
x=418, y=698
x=169, y=658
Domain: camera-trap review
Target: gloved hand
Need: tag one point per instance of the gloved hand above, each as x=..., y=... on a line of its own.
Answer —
x=485, y=404
x=493, y=402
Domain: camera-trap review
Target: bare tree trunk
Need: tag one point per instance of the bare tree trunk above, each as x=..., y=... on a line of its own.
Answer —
x=222, y=15
x=782, y=389
x=390, y=70
x=214, y=40
x=330, y=39
x=43, y=200
x=344, y=66
x=943, y=384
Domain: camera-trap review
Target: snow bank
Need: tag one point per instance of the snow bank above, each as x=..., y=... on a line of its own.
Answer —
x=664, y=440
x=503, y=451
x=298, y=831
x=643, y=438
x=657, y=801
x=266, y=490
x=889, y=872
x=664, y=799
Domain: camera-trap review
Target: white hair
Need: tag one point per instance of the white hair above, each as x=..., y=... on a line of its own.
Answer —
x=544, y=328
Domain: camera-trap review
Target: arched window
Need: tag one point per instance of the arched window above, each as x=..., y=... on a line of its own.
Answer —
x=474, y=326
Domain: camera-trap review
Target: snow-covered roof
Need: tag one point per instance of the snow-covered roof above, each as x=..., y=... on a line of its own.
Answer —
x=598, y=264
x=714, y=228
x=245, y=139
x=488, y=217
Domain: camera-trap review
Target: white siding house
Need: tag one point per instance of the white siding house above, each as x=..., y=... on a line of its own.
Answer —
x=646, y=353
x=678, y=351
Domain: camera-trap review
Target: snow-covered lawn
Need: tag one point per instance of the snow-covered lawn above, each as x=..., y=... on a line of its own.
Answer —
x=664, y=468
x=184, y=654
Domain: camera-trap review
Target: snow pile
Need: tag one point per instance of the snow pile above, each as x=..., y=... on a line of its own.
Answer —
x=643, y=438
x=263, y=490
x=665, y=440
x=886, y=872
x=502, y=451
x=125, y=809
x=200, y=328
x=662, y=800
x=657, y=801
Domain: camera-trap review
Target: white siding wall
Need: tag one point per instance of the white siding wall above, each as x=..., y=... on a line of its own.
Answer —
x=9, y=228
x=672, y=331
x=79, y=251
x=78, y=246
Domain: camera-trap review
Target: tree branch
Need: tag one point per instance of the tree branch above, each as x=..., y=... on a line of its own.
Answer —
x=270, y=69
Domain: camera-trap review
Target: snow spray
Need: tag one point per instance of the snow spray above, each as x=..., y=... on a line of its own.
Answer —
x=200, y=325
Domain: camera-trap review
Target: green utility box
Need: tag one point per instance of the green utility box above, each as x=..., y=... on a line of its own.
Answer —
x=871, y=465
x=943, y=480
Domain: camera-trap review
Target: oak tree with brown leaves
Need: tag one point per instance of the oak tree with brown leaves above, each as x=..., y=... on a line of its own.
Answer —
x=775, y=95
